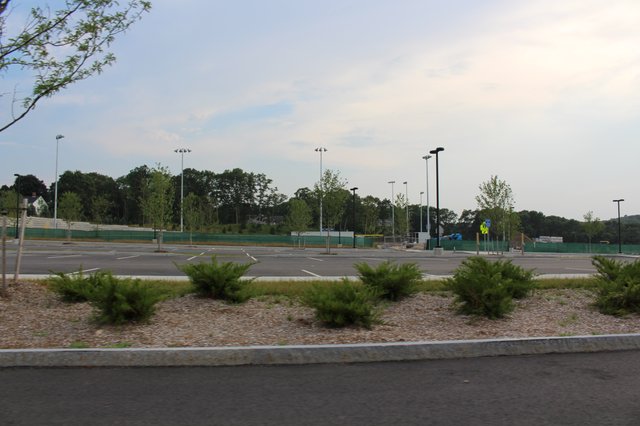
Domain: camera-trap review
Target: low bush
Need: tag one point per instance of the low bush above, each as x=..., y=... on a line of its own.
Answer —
x=342, y=304
x=487, y=288
x=390, y=281
x=618, y=286
x=121, y=301
x=77, y=287
x=218, y=280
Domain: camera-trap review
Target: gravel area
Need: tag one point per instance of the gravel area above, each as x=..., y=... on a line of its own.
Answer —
x=33, y=317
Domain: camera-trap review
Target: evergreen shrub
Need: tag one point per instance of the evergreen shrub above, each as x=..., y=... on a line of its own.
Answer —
x=390, y=281
x=343, y=304
x=218, y=280
x=618, y=286
x=487, y=288
x=77, y=287
x=121, y=301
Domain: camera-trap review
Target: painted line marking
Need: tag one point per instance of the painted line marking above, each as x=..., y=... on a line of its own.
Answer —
x=197, y=255
x=251, y=257
x=127, y=257
x=580, y=269
x=317, y=260
x=82, y=271
x=65, y=256
x=310, y=273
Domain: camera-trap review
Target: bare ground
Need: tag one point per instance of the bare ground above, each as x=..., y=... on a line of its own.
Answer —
x=33, y=317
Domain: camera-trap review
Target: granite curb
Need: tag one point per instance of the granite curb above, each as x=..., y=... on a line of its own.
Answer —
x=313, y=354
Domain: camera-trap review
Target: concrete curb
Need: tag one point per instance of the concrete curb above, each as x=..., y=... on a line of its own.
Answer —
x=313, y=354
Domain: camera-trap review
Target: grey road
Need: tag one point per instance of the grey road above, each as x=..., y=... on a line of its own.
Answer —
x=580, y=389
x=42, y=257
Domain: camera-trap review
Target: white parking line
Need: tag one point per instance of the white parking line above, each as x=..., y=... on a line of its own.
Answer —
x=82, y=271
x=251, y=257
x=310, y=273
x=127, y=257
x=65, y=256
x=313, y=258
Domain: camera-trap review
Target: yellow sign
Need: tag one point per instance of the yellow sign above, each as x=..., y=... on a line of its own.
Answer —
x=484, y=229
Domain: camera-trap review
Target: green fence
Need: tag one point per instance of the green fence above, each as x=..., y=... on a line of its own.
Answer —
x=540, y=247
x=196, y=238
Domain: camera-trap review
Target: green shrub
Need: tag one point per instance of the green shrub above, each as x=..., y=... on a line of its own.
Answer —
x=618, y=286
x=218, y=280
x=487, y=288
x=390, y=281
x=75, y=288
x=121, y=301
x=342, y=304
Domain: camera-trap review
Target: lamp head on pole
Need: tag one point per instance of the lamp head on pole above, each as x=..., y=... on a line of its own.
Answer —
x=618, y=201
x=182, y=150
x=426, y=157
x=58, y=137
x=354, y=189
x=392, y=181
x=321, y=149
x=437, y=150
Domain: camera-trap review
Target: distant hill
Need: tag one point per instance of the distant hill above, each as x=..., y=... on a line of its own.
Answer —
x=630, y=219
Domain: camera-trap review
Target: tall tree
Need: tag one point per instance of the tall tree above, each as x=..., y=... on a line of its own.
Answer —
x=60, y=45
x=193, y=214
x=495, y=201
x=592, y=226
x=158, y=200
x=369, y=212
x=299, y=217
x=70, y=208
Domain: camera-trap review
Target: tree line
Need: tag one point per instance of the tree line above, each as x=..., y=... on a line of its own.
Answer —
x=236, y=200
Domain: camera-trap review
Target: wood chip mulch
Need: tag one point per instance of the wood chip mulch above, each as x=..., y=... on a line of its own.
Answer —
x=33, y=317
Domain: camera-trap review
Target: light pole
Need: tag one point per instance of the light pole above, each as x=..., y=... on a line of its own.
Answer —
x=426, y=159
x=55, y=196
x=435, y=152
x=354, y=189
x=619, y=226
x=421, y=192
x=406, y=207
x=182, y=151
x=321, y=149
x=17, y=201
x=393, y=213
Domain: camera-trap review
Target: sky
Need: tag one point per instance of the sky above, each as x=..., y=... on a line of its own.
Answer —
x=544, y=94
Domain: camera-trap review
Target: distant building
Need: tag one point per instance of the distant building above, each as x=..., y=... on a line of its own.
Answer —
x=546, y=239
x=37, y=205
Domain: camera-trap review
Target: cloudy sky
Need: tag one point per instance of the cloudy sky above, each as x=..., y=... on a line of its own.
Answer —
x=545, y=94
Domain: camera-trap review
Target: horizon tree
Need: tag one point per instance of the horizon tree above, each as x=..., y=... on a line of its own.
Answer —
x=59, y=43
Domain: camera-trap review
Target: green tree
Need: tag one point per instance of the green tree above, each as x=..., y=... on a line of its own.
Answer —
x=495, y=202
x=99, y=208
x=193, y=214
x=60, y=45
x=70, y=209
x=334, y=196
x=369, y=212
x=299, y=217
x=592, y=226
x=158, y=200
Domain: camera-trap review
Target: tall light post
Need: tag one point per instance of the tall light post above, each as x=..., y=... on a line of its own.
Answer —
x=17, y=202
x=354, y=189
x=393, y=212
x=321, y=149
x=55, y=195
x=435, y=152
x=406, y=207
x=619, y=226
x=182, y=151
x=421, y=192
x=426, y=159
